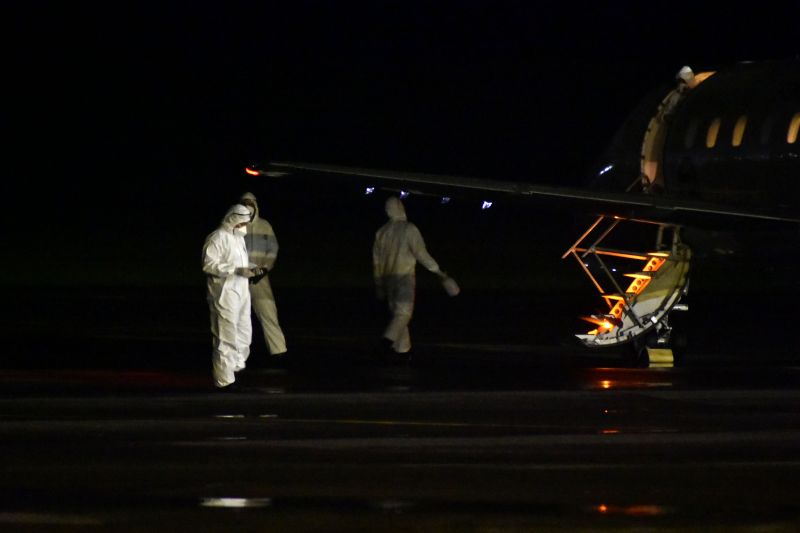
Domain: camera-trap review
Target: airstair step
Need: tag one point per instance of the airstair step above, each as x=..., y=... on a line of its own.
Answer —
x=617, y=296
x=640, y=275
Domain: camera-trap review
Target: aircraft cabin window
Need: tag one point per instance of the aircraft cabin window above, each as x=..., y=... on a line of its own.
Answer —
x=691, y=134
x=738, y=131
x=794, y=125
x=713, y=131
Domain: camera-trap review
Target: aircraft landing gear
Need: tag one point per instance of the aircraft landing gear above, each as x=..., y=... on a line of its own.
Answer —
x=664, y=346
x=679, y=335
x=637, y=355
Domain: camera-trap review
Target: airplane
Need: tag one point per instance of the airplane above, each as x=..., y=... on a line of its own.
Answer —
x=717, y=149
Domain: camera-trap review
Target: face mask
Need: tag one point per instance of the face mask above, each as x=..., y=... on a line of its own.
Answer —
x=241, y=231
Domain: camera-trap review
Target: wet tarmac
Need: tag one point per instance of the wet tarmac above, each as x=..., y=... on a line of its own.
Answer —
x=470, y=435
x=377, y=446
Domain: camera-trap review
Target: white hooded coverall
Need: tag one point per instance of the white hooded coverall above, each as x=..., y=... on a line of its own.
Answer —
x=228, y=296
x=262, y=247
x=397, y=248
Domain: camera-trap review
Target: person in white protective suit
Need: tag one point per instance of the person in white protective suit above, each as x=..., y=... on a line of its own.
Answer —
x=262, y=247
x=397, y=248
x=227, y=268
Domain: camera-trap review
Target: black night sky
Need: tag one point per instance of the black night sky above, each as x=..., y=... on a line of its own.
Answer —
x=128, y=124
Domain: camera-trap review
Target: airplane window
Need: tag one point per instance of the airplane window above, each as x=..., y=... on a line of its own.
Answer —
x=766, y=129
x=691, y=134
x=794, y=125
x=713, y=131
x=738, y=130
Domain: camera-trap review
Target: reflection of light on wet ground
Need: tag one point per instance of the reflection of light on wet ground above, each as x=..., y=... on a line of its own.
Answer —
x=636, y=431
x=235, y=503
x=641, y=385
x=228, y=416
x=631, y=510
x=614, y=378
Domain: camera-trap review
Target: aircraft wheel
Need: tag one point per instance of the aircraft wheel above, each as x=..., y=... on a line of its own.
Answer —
x=637, y=355
x=679, y=336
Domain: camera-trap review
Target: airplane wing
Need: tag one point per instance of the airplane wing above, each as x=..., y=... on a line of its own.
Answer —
x=624, y=204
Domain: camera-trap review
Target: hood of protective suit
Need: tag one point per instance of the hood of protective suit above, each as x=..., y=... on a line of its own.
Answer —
x=236, y=215
x=395, y=209
x=252, y=197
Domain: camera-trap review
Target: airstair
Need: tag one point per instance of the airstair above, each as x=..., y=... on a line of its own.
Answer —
x=655, y=282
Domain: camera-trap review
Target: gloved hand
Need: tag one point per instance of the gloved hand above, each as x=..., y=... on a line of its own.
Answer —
x=245, y=272
x=260, y=274
x=449, y=284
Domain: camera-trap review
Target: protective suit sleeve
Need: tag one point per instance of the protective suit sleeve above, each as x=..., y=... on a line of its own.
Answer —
x=213, y=262
x=272, y=251
x=262, y=245
x=245, y=272
x=377, y=270
x=377, y=263
x=417, y=245
x=270, y=246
